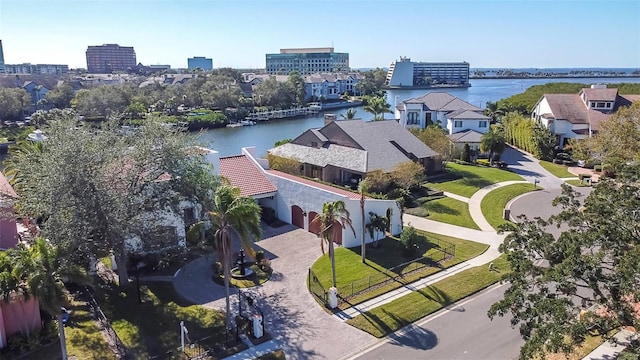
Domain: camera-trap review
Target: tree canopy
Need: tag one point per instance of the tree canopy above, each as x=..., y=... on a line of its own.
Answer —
x=95, y=188
x=586, y=281
x=13, y=103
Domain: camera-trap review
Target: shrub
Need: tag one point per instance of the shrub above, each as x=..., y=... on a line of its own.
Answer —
x=409, y=238
x=259, y=255
x=590, y=163
x=597, y=168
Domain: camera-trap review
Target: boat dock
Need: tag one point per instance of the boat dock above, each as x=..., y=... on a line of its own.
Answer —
x=311, y=109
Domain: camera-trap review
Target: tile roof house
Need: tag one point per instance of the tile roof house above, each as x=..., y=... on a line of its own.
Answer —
x=298, y=200
x=576, y=116
x=345, y=151
x=451, y=112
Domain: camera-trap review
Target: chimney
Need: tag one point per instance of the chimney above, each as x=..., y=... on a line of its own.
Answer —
x=598, y=86
x=329, y=118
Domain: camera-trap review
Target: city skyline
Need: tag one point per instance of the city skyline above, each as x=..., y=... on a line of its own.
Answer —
x=487, y=34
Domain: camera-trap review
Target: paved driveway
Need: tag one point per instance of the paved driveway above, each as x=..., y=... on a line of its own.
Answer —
x=528, y=167
x=292, y=316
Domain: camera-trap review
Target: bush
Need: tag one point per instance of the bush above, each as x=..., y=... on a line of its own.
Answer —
x=259, y=256
x=597, y=168
x=409, y=238
x=590, y=163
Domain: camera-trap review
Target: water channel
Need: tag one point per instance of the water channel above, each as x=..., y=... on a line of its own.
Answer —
x=230, y=141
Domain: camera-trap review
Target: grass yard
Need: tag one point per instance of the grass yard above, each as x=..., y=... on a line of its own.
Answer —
x=465, y=180
x=446, y=210
x=577, y=183
x=412, y=307
x=556, y=170
x=84, y=339
x=350, y=269
x=152, y=328
x=493, y=203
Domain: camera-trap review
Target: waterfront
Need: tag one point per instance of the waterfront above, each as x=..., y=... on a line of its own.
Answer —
x=230, y=141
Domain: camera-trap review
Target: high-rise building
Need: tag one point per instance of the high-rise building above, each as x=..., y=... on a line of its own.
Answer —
x=108, y=58
x=307, y=61
x=200, y=62
x=28, y=68
x=2, y=71
x=405, y=73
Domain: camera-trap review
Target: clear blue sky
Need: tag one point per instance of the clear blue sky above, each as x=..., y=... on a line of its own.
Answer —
x=239, y=33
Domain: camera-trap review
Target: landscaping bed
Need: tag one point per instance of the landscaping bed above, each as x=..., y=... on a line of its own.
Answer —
x=465, y=180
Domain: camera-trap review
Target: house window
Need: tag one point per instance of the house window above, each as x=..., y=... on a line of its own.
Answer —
x=600, y=105
x=608, y=105
x=457, y=124
x=413, y=118
x=593, y=104
x=483, y=124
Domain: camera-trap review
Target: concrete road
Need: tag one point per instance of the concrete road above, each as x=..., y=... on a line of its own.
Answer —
x=462, y=331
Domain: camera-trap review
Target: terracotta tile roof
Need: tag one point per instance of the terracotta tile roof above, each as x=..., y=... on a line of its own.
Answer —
x=243, y=173
x=5, y=188
x=331, y=189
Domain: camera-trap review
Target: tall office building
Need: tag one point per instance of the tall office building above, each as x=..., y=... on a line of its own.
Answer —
x=405, y=73
x=108, y=58
x=200, y=62
x=307, y=61
x=2, y=70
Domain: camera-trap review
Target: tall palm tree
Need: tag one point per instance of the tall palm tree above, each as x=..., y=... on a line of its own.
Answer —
x=378, y=106
x=493, y=142
x=22, y=152
x=333, y=213
x=363, y=187
x=349, y=115
x=233, y=214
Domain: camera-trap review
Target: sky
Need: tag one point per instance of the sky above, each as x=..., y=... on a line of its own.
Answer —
x=238, y=33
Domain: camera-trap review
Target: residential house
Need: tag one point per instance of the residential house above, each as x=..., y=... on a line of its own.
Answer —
x=319, y=86
x=36, y=91
x=577, y=116
x=441, y=108
x=17, y=315
x=298, y=201
x=343, y=152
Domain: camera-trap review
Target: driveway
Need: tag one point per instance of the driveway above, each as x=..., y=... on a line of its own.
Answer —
x=529, y=168
x=294, y=319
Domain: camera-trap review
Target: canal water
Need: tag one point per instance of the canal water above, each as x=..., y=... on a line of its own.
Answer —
x=230, y=141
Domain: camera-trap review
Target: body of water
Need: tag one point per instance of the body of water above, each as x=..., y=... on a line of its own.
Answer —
x=230, y=141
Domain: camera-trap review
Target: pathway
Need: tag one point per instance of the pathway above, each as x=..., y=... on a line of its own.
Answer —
x=476, y=199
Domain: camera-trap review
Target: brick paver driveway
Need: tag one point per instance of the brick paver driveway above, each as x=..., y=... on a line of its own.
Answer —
x=292, y=316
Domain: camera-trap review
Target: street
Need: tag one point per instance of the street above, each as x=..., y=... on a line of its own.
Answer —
x=462, y=332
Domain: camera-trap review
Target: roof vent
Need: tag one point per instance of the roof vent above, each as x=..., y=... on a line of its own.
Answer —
x=598, y=86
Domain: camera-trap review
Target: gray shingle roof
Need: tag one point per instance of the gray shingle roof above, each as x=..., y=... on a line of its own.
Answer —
x=466, y=136
x=467, y=114
x=382, y=140
x=601, y=94
x=442, y=101
x=340, y=156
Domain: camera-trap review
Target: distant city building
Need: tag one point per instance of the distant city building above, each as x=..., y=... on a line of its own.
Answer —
x=2, y=70
x=27, y=68
x=200, y=62
x=109, y=58
x=404, y=73
x=307, y=61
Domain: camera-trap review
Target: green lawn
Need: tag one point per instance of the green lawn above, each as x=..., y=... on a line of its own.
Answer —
x=493, y=203
x=556, y=170
x=416, y=305
x=350, y=269
x=577, y=183
x=152, y=328
x=84, y=339
x=465, y=180
x=447, y=210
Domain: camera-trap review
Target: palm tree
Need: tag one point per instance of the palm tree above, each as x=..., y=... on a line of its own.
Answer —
x=493, y=142
x=349, y=115
x=378, y=106
x=23, y=152
x=333, y=213
x=233, y=214
x=363, y=187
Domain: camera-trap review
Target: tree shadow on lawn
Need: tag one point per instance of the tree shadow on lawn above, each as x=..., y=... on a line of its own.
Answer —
x=435, y=294
x=437, y=207
x=390, y=253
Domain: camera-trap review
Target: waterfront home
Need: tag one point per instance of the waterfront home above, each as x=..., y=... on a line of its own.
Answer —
x=343, y=152
x=441, y=108
x=298, y=201
x=577, y=116
x=319, y=86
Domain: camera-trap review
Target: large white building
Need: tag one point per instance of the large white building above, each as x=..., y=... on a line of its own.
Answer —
x=404, y=73
x=307, y=61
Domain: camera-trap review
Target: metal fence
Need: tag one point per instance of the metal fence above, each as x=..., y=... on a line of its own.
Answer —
x=396, y=273
x=105, y=325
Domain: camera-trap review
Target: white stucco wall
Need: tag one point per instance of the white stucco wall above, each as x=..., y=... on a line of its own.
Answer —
x=542, y=107
x=473, y=124
x=402, y=74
